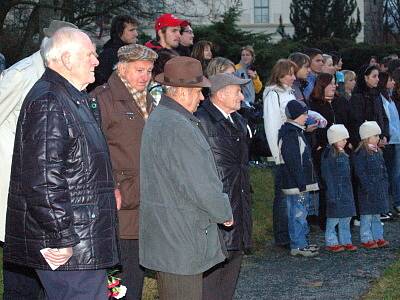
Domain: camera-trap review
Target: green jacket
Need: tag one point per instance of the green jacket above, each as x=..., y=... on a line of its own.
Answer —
x=181, y=194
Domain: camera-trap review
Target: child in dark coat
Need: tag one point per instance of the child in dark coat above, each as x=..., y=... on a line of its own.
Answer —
x=373, y=188
x=340, y=207
x=297, y=177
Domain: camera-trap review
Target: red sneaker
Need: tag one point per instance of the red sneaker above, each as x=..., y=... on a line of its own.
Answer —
x=382, y=243
x=370, y=245
x=350, y=247
x=335, y=248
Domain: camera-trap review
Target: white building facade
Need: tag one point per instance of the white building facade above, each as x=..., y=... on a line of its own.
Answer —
x=257, y=15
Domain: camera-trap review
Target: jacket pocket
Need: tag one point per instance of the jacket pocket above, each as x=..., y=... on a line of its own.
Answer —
x=127, y=182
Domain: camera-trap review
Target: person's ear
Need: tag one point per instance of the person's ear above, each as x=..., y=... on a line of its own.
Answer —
x=66, y=60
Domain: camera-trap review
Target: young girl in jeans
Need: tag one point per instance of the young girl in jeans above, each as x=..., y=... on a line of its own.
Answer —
x=373, y=187
x=335, y=171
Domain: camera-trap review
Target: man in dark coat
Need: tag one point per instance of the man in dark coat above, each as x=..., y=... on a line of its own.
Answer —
x=61, y=212
x=125, y=106
x=181, y=198
x=227, y=134
x=123, y=32
x=186, y=42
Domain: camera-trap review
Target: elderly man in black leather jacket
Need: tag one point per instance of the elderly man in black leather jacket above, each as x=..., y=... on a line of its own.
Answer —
x=227, y=134
x=61, y=212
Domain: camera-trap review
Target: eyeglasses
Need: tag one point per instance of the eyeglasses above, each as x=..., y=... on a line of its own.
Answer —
x=188, y=31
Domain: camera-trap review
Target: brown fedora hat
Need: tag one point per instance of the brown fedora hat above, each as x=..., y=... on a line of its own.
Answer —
x=183, y=71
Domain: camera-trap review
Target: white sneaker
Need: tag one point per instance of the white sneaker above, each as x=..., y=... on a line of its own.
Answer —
x=306, y=252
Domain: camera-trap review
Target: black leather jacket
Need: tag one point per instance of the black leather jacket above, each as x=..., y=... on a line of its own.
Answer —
x=61, y=188
x=229, y=144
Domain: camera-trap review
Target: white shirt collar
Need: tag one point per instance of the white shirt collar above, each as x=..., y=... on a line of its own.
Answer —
x=222, y=112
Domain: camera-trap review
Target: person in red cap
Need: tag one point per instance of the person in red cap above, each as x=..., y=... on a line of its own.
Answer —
x=168, y=32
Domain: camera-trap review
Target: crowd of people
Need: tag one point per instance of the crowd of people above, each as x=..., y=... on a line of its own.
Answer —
x=139, y=158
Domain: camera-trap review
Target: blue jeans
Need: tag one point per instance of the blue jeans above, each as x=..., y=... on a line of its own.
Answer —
x=297, y=219
x=391, y=154
x=331, y=238
x=371, y=228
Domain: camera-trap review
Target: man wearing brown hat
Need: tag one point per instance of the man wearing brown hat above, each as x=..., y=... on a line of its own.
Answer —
x=125, y=106
x=228, y=136
x=180, y=191
x=15, y=83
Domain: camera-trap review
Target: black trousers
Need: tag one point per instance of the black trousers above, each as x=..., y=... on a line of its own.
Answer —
x=77, y=285
x=132, y=273
x=20, y=283
x=179, y=287
x=219, y=283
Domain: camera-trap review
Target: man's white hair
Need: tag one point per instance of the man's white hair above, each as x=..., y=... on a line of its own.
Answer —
x=64, y=40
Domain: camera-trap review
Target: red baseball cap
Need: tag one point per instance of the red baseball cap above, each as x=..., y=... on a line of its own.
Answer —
x=169, y=20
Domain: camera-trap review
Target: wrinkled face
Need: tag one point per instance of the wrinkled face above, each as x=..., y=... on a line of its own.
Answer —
x=137, y=73
x=303, y=72
x=374, y=140
x=316, y=64
x=230, y=98
x=246, y=57
x=350, y=84
x=341, y=144
x=191, y=98
x=187, y=36
x=330, y=89
x=372, y=79
x=207, y=52
x=288, y=79
x=130, y=34
x=390, y=84
x=301, y=120
x=171, y=38
x=81, y=62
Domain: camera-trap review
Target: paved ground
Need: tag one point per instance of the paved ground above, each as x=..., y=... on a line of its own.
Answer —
x=277, y=275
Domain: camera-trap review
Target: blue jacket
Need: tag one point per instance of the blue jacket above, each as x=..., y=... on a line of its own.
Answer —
x=336, y=175
x=296, y=168
x=373, y=187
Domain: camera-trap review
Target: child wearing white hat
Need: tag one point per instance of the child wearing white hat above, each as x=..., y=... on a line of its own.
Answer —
x=373, y=187
x=336, y=175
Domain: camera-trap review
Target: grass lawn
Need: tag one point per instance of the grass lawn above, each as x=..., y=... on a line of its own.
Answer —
x=262, y=182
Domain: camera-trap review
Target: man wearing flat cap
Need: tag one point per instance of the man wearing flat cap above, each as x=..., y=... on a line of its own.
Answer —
x=228, y=136
x=15, y=83
x=182, y=198
x=125, y=106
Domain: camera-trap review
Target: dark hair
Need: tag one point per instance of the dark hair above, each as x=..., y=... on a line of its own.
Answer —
x=336, y=57
x=383, y=80
x=365, y=70
x=163, y=31
x=323, y=80
x=300, y=59
x=312, y=52
x=118, y=25
x=198, y=49
x=393, y=65
x=385, y=61
x=184, y=27
x=164, y=55
x=373, y=57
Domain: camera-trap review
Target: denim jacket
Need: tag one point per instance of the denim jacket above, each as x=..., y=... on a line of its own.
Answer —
x=336, y=175
x=373, y=187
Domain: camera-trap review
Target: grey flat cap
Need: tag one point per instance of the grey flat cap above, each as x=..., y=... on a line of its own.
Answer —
x=221, y=80
x=55, y=25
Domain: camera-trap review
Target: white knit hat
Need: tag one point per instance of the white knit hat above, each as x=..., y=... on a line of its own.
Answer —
x=336, y=133
x=368, y=129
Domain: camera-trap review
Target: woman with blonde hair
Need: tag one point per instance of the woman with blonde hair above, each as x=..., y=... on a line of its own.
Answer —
x=246, y=70
x=349, y=83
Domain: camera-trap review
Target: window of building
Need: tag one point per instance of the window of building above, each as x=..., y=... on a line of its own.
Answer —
x=261, y=11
